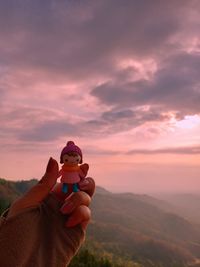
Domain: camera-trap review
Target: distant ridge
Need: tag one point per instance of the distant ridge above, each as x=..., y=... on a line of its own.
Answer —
x=101, y=190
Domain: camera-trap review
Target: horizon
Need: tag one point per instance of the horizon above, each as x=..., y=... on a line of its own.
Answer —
x=120, y=78
x=154, y=194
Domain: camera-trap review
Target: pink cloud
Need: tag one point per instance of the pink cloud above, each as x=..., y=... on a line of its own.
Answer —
x=116, y=77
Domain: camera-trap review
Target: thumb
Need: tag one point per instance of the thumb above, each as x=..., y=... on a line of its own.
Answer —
x=40, y=191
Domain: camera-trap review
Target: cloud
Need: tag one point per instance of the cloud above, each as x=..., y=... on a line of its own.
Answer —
x=49, y=131
x=24, y=122
x=174, y=86
x=99, y=52
x=190, y=150
x=2, y=93
x=43, y=125
x=74, y=40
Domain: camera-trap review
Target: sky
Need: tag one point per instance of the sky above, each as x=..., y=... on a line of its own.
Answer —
x=118, y=77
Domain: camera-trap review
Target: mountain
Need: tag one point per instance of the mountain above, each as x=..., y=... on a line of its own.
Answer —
x=132, y=225
x=10, y=190
x=187, y=205
x=13, y=189
x=130, y=229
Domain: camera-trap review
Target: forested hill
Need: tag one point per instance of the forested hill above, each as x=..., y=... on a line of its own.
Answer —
x=128, y=230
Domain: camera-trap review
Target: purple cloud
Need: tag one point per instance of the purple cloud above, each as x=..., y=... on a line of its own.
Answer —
x=77, y=40
x=84, y=45
x=175, y=86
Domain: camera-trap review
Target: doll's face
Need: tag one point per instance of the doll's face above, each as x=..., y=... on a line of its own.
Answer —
x=71, y=158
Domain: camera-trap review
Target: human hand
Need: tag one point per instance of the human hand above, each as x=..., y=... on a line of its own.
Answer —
x=78, y=202
x=57, y=222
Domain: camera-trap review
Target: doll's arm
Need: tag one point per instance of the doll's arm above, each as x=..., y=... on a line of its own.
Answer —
x=81, y=174
x=83, y=170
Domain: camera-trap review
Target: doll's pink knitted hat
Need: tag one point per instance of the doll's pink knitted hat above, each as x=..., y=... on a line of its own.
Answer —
x=71, y=147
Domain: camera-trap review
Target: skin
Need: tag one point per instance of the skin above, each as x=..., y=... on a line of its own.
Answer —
x=75, y=204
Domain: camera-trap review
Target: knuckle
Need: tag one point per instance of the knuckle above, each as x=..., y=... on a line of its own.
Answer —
x=91, y=181
x=81, y=198
x=85, y=212
x=90, y=189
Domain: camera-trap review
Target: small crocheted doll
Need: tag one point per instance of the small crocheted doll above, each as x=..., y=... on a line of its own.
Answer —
x=71, y=173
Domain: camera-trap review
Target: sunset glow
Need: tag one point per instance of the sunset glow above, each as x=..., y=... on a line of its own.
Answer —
x=189, y=122
x=121, y=80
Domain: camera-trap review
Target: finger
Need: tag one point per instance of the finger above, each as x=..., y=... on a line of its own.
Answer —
x=87, y=185
x=85, y=224
x=36, y=194
x=74, y=201
x=81, y=215
x=42, y=188
x=57, y=191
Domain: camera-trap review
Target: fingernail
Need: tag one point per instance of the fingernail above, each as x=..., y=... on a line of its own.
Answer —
x=67, y=207
x=50, y=165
